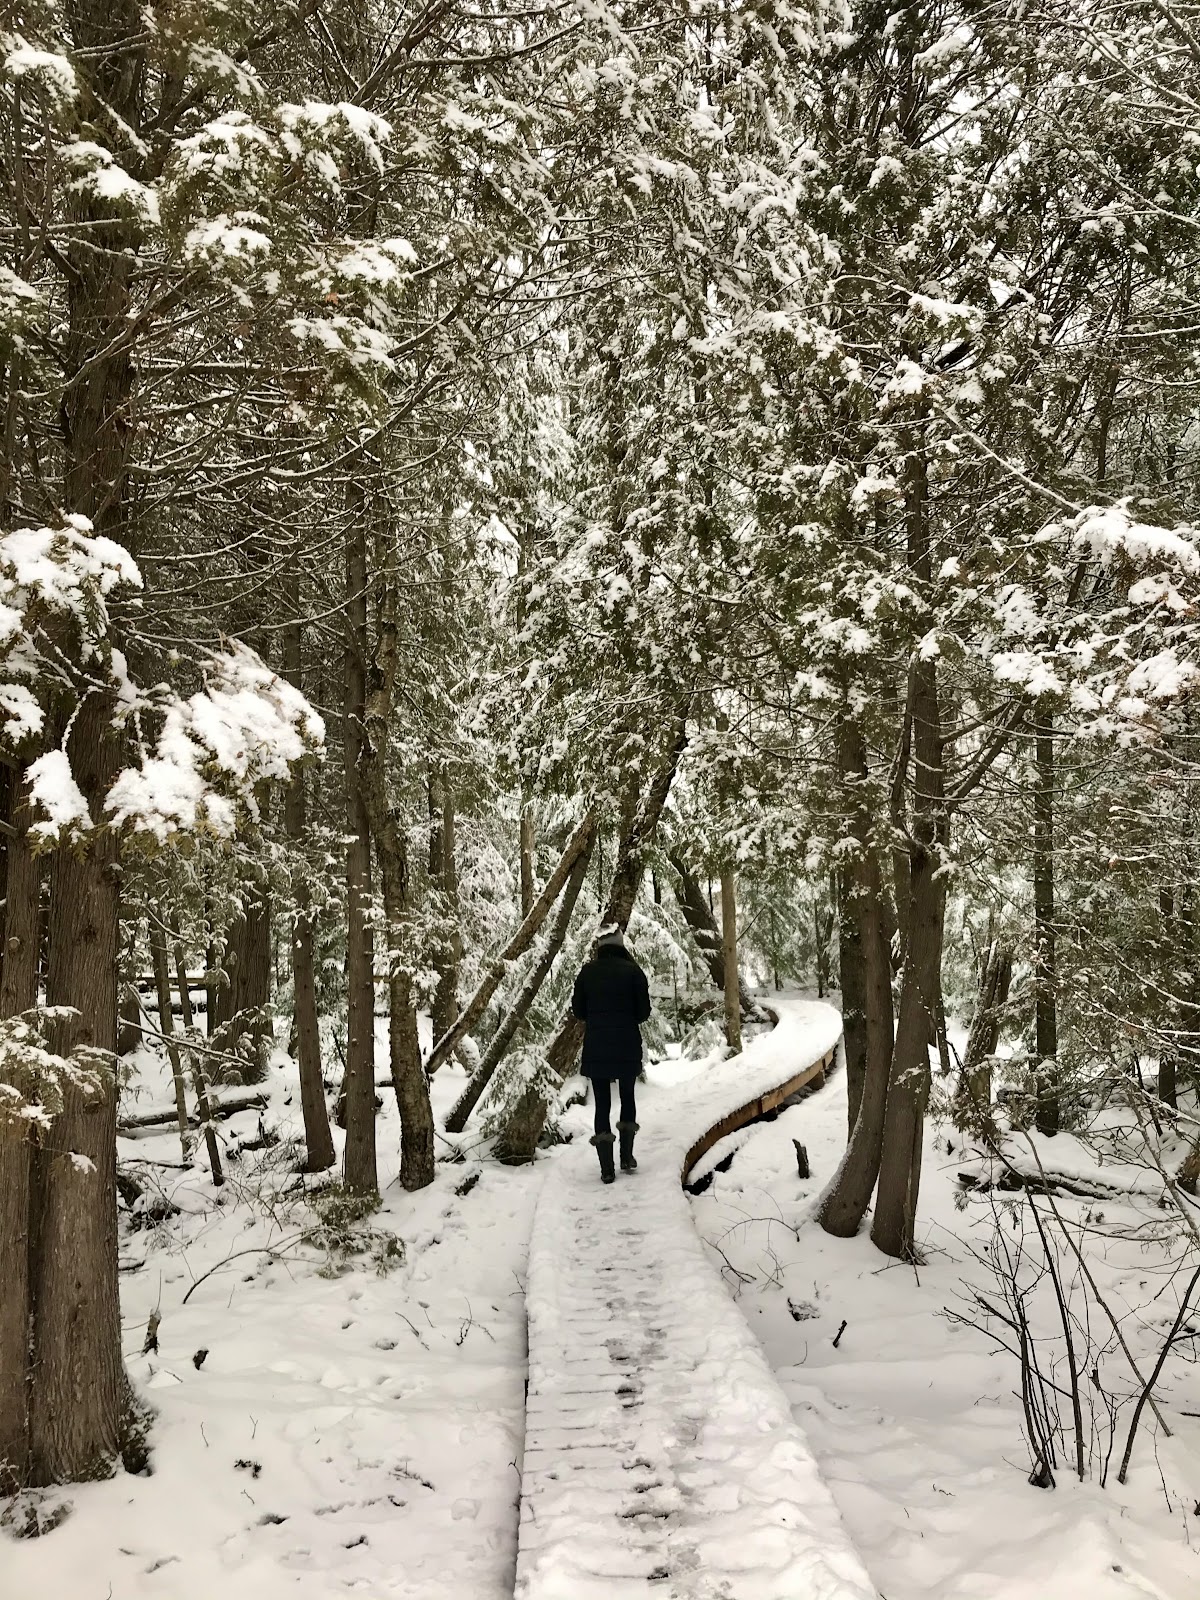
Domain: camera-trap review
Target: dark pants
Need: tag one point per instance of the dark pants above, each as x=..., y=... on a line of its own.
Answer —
x=602, y=1090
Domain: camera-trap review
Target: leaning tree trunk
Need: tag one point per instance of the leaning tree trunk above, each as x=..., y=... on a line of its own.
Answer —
x=360, y=1167
x=580, y=841
x=18, y=993
x=845, y=1202
x=894, y=1227
x=318, y=1137
x=973, y=1101
x=526, y=859
x=698, y=915
x=519, y=1139
x=1049, y=1114
x=506, y=1032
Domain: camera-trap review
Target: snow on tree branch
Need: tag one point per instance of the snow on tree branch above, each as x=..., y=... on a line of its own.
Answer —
x=246, y=726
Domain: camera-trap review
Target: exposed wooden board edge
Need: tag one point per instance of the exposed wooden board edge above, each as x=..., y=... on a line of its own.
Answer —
x=753, y=1109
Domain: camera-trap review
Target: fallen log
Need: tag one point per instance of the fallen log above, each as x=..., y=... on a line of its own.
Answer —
x=1011, y=1181
x=229, y=1106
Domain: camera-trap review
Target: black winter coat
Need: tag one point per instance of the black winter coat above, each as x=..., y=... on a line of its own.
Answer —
x=612, y=997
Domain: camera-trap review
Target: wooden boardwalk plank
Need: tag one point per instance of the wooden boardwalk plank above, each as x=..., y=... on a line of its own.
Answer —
x=661, y=1459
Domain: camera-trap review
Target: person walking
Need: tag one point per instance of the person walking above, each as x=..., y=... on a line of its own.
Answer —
x=612, y=999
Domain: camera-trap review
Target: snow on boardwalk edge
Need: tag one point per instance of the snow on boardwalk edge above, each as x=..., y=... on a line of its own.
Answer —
x=661, y=1454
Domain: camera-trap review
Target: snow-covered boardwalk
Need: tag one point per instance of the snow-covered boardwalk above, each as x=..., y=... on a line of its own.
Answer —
x=661, y=1457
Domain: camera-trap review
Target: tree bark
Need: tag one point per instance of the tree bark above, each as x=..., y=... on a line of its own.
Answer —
x=498, y=1045
x=160, y=962
x=1049, y=1113
x=526, y=855
x=318, y=1137
x=18, y=993
x=973, y=1101
x=845, y=1202
x=729, y=953
x=199, y=1081
x=129, y=1027
x=697, y=914
x=854, y=995
x=1168, y=1059
x=518, y=1142
x=360, y=1169
x=404, y=1048
x=581, y=840
x=1188, y=1177
x=448, y=948
x=894, y=1227
x=79, y=1396
x=250, y=976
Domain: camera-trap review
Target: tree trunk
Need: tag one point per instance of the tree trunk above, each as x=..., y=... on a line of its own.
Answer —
x=79, y=1396
x=404, y=1047
x=1046, y=1004
x=18, y=993
x=408, y=1073
x=581, y=840
x=318, y=1137
x=854, y=994
x=448, y=946
x=160, y=962
x=845, y=1202
x=973, y=1101
x=199, y=1081
x=129, y=1025
x=894, y=1227
x=699, y=918
x=526, y=854
x=244, y=993
x=1188, y=1176
x=250, y=977
x=360, y=1168
x=518, y=1142
x=1168, y=1058
x=498, y=1046
x=729, y=961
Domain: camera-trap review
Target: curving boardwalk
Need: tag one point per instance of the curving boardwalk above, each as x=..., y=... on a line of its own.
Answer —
x=661, y=1457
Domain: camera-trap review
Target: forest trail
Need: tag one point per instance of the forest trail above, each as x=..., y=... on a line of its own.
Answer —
x=661, y=1457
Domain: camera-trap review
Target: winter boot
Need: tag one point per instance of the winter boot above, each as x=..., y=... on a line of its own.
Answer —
x=627, y=1131
x=604, y=1149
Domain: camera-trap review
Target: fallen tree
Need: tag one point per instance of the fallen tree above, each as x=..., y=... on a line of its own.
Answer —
x=580, y=842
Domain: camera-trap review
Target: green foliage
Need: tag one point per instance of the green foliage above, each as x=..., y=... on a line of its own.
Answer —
x=341, y=1233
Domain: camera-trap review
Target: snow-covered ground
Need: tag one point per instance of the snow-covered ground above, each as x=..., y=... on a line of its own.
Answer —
x=347, y=1432
x=356, y=1432
x=914, y=1419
